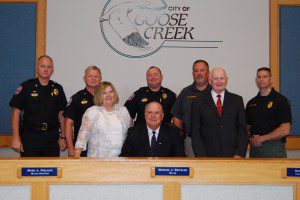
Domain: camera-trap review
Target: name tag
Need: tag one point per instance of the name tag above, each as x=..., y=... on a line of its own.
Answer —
x=39, y=171
x=172, y=171
x=291, y=172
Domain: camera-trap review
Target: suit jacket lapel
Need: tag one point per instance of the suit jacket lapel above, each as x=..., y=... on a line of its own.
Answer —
x=210, y=101
x=226, y=101
x=145, y=140
x=161, y=139
x=162, y=135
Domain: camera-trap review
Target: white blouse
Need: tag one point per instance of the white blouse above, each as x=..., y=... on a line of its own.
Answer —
x=104, y=131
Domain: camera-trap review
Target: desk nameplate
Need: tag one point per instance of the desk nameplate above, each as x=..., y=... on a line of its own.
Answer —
x=39, y=172
x=172, y=171
x=291, y=172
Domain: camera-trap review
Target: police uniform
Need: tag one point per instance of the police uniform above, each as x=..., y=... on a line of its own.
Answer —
x=76, y=108
x=137, y=102
x=265, y=114
x=182, y=106
x=40, y=125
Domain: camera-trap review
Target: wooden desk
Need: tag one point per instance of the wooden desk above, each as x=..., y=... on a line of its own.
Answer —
x=137, y=171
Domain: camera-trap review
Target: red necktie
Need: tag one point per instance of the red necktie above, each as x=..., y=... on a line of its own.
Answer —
x=219, y=105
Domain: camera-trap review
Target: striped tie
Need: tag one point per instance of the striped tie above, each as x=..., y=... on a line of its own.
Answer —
x=219, y=105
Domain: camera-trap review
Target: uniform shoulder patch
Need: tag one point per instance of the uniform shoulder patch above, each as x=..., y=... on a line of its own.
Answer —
x=18, y=90
x=131, y=97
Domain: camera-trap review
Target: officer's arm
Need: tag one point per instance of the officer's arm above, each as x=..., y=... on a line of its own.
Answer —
x=282, y=131
x=69, y=136
x=62, y=143
x=15, y=119
x=131, y=106
x=177, y=122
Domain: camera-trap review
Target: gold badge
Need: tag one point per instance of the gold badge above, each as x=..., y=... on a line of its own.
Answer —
x=55, y=92
x=251, y=105
x=84, y=101
x=144, y=99
x=164, y=95
x=34, y=94
x=270, y=104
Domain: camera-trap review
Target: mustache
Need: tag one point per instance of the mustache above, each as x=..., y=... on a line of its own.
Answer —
x=200, y=76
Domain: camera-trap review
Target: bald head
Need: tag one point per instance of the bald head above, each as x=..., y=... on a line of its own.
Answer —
x=218, y=79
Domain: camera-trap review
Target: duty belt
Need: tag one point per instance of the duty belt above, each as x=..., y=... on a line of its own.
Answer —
x=41, y=126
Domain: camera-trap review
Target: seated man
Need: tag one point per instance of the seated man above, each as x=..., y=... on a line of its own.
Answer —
x=153, y=139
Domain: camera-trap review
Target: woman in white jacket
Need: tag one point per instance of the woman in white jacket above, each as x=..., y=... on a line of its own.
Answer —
x=104, y=125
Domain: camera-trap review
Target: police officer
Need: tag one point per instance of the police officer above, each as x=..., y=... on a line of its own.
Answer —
x=153, y=92
x=269, y=119
x=42, y=102
x=78, y=104
x=181, y=109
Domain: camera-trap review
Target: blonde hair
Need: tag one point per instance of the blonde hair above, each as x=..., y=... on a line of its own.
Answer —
x=98, y=97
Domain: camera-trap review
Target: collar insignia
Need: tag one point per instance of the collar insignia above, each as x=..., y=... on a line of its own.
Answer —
x=144, y=99
x=84, y=101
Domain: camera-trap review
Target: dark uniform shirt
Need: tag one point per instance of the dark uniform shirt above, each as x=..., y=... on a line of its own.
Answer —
x=182, y=106
x=40, y=104
x=76, y=108
x=137, y=102
x=266, y=113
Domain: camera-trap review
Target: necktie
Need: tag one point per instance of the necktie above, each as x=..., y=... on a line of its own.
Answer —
x=153, y=140
x=219, y=105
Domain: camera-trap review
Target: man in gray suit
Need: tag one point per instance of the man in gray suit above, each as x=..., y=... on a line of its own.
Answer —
x=218, y=123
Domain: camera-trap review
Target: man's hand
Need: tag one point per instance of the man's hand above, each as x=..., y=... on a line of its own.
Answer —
x=17, y=145
x=256, y=140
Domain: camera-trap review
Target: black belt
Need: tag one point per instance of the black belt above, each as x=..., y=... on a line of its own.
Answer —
x=41, y=126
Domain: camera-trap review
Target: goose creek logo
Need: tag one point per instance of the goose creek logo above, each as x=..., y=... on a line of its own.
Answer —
x=141, y=28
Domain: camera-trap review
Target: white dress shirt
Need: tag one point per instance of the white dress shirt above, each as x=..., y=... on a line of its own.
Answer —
x=215, y=96
x=150, y=133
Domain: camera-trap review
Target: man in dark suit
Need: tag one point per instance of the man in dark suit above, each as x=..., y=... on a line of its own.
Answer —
x=218, y=121
x=153, y=139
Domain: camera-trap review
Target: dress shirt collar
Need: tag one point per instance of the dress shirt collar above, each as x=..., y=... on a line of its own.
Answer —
x=150, y=132
x=215, y=98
